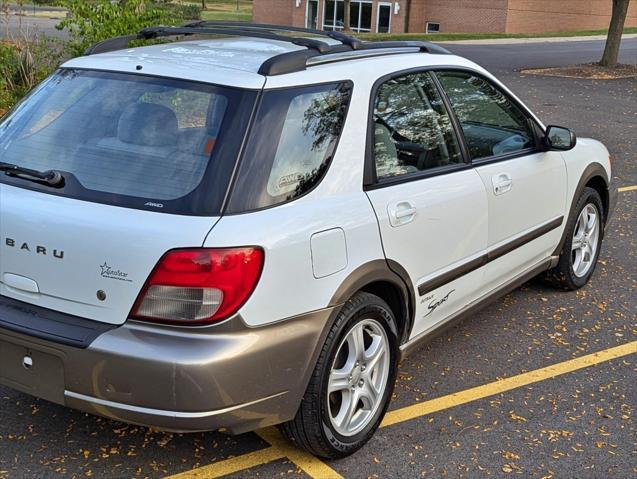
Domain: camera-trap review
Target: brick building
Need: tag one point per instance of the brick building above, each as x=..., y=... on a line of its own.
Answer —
x=510, y=16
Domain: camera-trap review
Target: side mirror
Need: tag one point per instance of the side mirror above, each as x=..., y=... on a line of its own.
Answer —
x=559, y=138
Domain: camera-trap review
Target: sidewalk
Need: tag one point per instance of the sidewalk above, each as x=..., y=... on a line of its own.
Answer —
x=513, y=41
x=35, y=8
x=43, y=12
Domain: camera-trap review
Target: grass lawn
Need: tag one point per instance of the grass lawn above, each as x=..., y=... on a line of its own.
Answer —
x=225, y=10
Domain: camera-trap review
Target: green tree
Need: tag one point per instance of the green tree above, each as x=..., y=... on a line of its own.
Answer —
x=613, y=41
x=92, y=22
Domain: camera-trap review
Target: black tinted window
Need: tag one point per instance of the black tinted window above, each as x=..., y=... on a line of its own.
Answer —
x=492, y=124
x=291, y=144
x=412, y=129
x=127, y=139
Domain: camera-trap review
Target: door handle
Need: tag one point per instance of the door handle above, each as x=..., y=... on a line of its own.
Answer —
x=401, y=213
x=502, y=183
x=405, y=213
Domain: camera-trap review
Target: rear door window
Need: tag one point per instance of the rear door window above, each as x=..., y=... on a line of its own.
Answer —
x=412, y=128
x=130, y=140
x=291, y=144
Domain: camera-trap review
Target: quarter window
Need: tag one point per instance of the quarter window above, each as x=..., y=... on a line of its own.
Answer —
x=492, y=124
x=412, y=130
x=291, y=144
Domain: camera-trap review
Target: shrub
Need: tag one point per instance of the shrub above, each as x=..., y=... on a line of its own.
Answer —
x=92, y=22
x=24, y=63
x=180, y=11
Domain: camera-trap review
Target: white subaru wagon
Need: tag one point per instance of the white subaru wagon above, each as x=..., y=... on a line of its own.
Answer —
x=253, y=229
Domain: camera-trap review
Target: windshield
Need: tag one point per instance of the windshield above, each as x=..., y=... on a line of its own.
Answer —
x=130, y=140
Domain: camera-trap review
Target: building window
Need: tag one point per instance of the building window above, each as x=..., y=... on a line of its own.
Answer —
x=360, y=15
x=433, y=27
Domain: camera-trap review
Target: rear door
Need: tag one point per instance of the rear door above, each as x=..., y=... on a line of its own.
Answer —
x=525, y=185
x=431, y=205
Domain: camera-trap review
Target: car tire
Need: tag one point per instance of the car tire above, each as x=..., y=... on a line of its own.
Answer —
x=321, y=424
x=584, y=234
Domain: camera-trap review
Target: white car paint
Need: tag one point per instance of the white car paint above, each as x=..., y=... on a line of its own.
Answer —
x=449, y=228
x=104, y=248
x=458, y=217
x=535, y=196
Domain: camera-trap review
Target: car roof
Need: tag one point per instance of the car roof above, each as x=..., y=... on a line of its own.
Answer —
x=236, y=61
x=230, y=61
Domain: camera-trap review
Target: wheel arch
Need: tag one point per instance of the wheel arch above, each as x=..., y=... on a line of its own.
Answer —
x=599, y=184
x=387, y=280
x=594, y=176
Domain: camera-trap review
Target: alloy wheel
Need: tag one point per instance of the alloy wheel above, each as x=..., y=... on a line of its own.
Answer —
x=358, y=377
x=585, y=240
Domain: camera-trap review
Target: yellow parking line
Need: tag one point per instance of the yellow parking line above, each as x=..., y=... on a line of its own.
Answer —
x=235, y=464
x=311, y=465
x=315, y=468
x=507, y=384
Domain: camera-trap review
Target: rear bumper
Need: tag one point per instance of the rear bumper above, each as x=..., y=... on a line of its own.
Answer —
x=227, y=376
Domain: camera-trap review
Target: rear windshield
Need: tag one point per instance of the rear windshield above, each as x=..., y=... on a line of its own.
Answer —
x=130, y=140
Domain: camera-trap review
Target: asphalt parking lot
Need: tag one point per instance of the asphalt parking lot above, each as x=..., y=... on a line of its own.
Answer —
x=540, y=384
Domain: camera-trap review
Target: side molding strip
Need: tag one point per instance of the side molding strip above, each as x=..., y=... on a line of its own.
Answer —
x=492, y=255
x=473, y=308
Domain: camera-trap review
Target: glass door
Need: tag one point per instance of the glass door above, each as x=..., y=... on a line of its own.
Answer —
x=311, y=15
x=383, y=19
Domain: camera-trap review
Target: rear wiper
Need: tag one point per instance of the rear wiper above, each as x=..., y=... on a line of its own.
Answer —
x=49, y=177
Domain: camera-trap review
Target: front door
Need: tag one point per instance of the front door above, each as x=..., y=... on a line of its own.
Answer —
x=525, y=185
x=431, y=205
x=311, y=20
x=383, y=19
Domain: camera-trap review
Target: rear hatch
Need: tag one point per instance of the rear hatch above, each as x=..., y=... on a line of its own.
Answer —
x=145, y=163
x=88, y=260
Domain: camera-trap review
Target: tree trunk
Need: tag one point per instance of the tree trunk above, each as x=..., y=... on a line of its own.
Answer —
x=346, y=14
x=613, y=41
x=203, y=4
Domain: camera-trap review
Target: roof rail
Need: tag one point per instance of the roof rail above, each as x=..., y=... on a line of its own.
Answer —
x=152, y=33
x=286, y=62
x=336, y=35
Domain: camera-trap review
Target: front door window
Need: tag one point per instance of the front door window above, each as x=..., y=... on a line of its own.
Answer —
x=492, y=124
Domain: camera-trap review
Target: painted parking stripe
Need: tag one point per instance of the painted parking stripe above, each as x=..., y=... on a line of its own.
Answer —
x=311, y=465
x=232, y=465
x=279, y=449
x=507, y=384
x=315, y=468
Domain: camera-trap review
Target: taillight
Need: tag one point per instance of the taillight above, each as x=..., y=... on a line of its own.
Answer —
x=196, y=286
